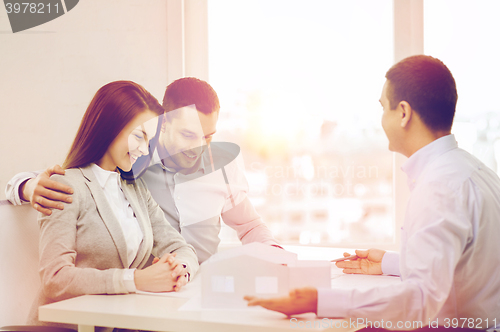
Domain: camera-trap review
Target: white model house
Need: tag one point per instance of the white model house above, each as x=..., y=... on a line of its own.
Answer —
x=257, y=269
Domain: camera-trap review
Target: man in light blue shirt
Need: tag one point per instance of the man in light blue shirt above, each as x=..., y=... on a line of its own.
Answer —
x=449, y=259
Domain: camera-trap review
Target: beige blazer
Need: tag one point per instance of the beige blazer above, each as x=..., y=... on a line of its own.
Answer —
x=83, y=249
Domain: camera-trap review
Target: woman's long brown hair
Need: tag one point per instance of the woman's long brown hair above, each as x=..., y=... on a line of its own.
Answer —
x=113, y=106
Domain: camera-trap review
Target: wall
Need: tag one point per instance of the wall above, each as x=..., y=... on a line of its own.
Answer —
x=49, y=74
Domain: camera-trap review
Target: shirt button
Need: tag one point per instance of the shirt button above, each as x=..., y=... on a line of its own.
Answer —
x=178, y=197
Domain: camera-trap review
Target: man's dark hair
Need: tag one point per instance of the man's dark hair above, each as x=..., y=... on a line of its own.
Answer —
x=188, y=91
x=428, y=86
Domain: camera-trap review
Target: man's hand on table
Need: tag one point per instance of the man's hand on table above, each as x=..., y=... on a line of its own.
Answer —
x=367, y=262
x=45, y=194
x=304, y=300
x=299, y=301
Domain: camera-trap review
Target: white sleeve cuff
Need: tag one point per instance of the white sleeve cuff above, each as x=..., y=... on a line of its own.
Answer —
x=390, y=263
x=333, y=302
x=128, y=280
x=12, y=192
x=12, y=188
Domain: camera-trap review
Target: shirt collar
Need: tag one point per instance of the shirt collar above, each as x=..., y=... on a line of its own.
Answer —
x=103, y=175
x=156, y=160
x=417, y=162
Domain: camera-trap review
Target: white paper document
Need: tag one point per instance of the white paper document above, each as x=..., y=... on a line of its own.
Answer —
x=190, y=290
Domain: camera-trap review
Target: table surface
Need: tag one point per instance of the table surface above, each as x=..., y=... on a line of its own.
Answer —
x=163, y=313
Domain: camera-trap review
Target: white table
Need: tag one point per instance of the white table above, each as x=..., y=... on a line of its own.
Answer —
x=155, y=313
x=159, y=313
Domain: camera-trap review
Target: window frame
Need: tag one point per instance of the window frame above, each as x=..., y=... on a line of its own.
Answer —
x=187, y=55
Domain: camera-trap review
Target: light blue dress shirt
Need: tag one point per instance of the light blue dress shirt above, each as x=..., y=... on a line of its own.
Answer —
x=195, y=203
x=450, y=248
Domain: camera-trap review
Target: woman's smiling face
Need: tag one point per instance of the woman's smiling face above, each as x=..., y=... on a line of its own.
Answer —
x=131, y=143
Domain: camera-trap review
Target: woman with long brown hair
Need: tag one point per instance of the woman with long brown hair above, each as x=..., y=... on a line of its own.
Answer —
x=99, y=243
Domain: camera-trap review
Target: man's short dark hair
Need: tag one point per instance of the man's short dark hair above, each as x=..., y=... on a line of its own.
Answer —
x=188, y=91
x=428, y=86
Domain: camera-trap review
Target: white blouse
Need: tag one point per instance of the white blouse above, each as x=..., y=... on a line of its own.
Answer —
x=111, y=185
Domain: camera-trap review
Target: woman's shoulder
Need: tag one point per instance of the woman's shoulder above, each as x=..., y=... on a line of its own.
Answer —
x=72, y=177
x=75, y=179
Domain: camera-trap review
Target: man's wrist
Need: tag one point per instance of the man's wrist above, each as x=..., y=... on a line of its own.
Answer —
x=21, y=192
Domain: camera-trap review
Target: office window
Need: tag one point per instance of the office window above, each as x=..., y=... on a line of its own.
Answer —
x=299, y=84
x=465, y=37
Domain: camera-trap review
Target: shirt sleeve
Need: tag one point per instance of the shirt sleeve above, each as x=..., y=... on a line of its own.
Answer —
x=238, y=212
x=248, y=224
x=390, y=263
x=129, y=280
x=437, y=231
x=12, y=188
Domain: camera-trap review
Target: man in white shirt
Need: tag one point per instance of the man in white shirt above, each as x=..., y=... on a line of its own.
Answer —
x=449, y=259
x=195, y=183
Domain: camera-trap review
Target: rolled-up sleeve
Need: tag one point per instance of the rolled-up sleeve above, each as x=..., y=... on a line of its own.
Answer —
x=239, y=213
x=12, y=188
x=248, y=223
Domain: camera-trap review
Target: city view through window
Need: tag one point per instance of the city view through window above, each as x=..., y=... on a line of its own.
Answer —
x=299, y=85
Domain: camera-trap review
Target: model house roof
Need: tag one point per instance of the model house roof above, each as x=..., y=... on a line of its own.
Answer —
x=258, y=250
